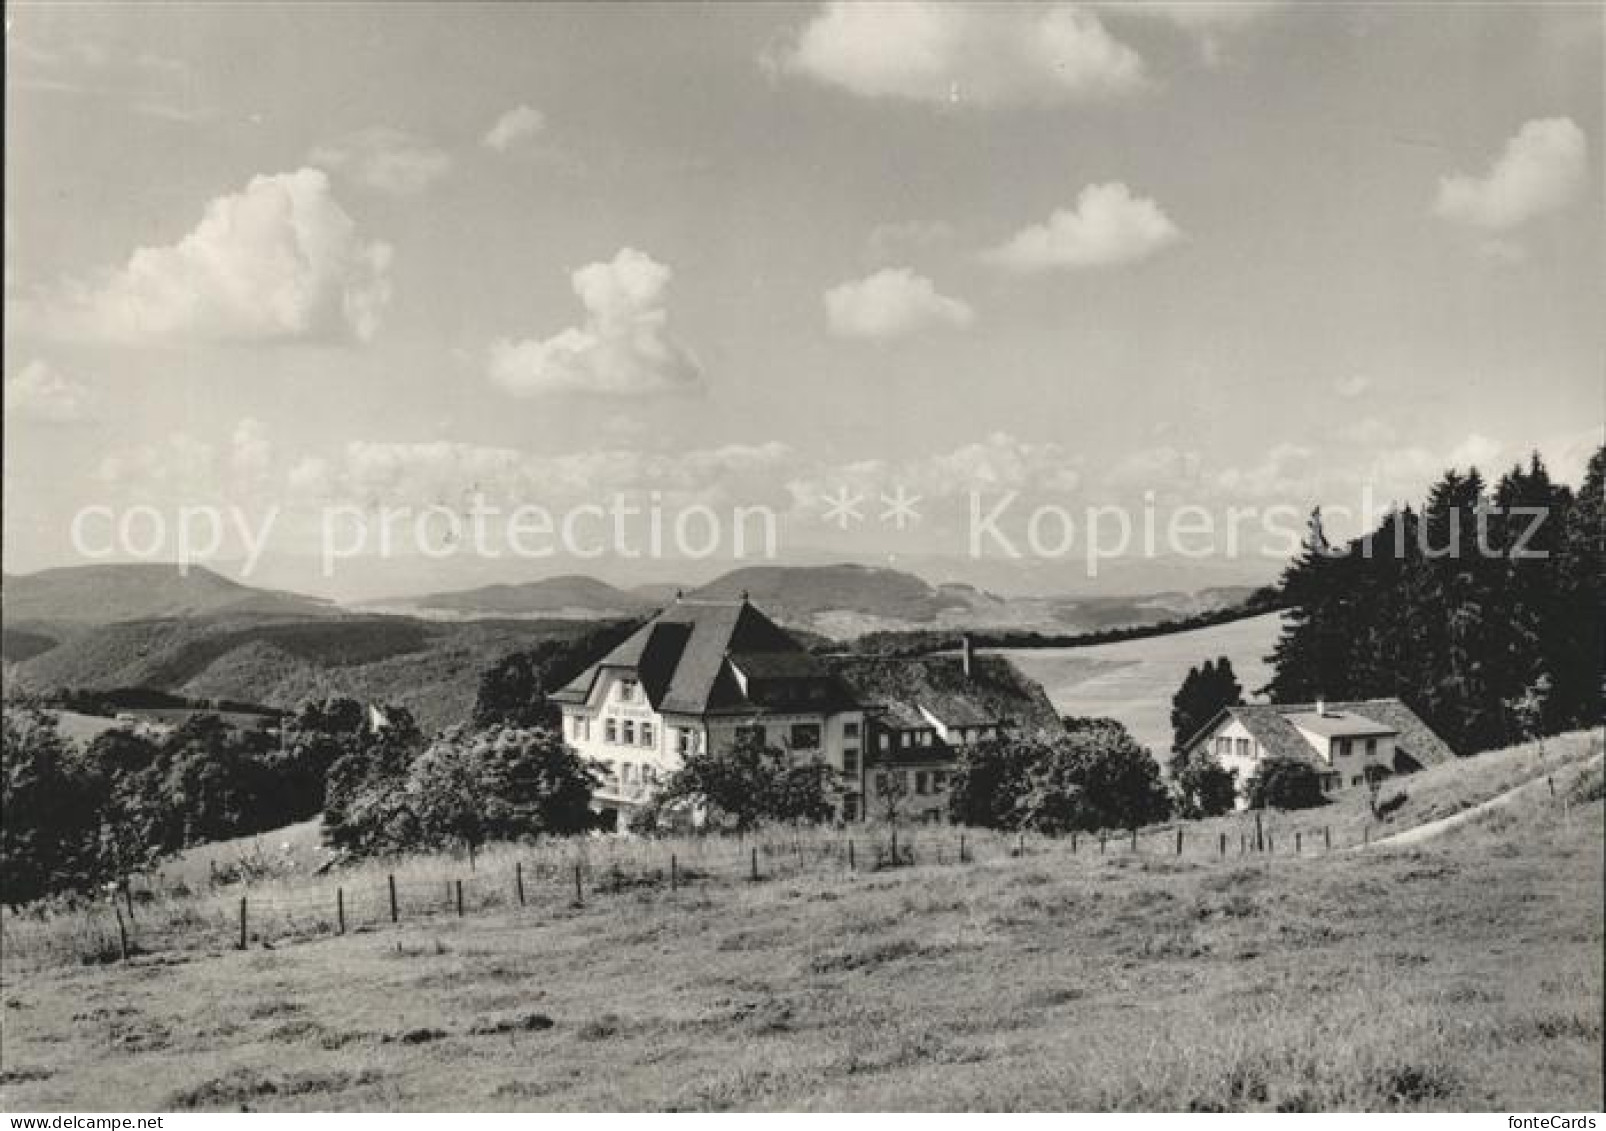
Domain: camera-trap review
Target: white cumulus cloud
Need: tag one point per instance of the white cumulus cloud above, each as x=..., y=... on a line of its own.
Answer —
x=889, y=304
x=623, y=348
x=278, y=261
x=42, y=395
x=386, y=160
x=1108, y=226
x=1540, y=170
x=1355, y=385
x=984, y=54
x=513, y=127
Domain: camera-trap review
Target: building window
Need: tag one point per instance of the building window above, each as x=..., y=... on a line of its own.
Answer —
x=610, y=730
x=884, y=741
x=685, y=740
x=932, y=816
x=850, y=806
x=1223, y=746
x=629, y=733
x=850, y=761
x=582, y=729
x=627, y=690
x=806, y=736
x=1243, y=748
x=647, y=735
x=880, y=782
x=922, y=782
x=850, y=730
x=753, y=734
x=1371, y=747
x=1357, y=779
x=939, y=781
x=1343, y=747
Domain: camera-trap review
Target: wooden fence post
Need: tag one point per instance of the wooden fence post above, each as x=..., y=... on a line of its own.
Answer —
x=754, y=871
x=1102, y=837
x=1271, y=845
x=674, y=872
x=1073, y=844
x=1223, y=844
x=459, y=899
x=518, y=879
x=1260, y=835
x=1366, y=834
x=962, y=857
x=852, y=867
x=122, y=934
x=242, y=922
x=1299, y=843
x=128, y=899
x=340, y=909
x=392, y=882
x=1327, y=837
x=1134, y=839
x=579, y=892
x=1021, y=845
x=1179, y=840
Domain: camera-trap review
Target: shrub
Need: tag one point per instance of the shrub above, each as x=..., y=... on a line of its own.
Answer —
x=750, y=783
x=1281, y=782
x=1205, y=788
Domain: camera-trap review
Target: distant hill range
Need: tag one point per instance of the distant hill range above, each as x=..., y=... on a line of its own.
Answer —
x=571, y=596
x=205, y=636
x=102, y=594
x=840, y=601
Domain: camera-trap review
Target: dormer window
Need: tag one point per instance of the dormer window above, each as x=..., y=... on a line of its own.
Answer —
x=627, y=690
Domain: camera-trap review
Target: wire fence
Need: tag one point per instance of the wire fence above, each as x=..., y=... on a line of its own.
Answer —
x=569, y=876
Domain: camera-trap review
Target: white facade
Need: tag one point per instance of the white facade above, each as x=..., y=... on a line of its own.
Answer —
x=639, y=747
x=1351, y=756
x=1343, y=759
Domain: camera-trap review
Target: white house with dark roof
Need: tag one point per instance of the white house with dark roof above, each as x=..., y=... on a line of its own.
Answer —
x=694, y=679
x=701, y=674
x=1342, y=740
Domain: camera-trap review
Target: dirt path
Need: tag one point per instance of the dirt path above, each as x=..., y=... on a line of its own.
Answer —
x=1434, y=829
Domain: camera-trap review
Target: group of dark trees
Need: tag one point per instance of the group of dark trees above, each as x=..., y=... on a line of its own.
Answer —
x=391, y=789
x=1094, y=776
x=515, y=691
x=76, y=816
x=1482, y=611
x=1203, y=788
x=742, y=787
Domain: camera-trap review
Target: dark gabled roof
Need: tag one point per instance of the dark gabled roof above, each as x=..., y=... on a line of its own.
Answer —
x=679, y=656
x=1272, y=727
x=779, y=665
x=994, y=694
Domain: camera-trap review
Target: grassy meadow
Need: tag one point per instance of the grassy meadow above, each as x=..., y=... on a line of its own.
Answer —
x=1461, y=973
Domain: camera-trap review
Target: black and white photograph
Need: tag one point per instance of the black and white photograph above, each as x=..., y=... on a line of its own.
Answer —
x=866, y=556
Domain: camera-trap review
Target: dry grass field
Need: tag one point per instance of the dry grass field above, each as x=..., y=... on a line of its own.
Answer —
x=1462, y=973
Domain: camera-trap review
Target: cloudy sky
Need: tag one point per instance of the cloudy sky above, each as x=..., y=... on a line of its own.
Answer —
x=394, y=255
